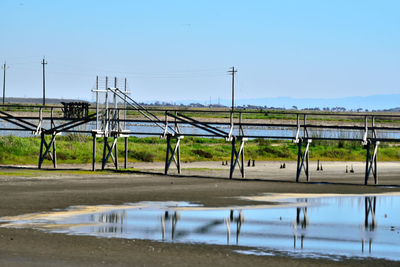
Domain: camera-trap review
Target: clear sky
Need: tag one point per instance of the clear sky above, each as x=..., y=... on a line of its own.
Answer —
x=182, y=49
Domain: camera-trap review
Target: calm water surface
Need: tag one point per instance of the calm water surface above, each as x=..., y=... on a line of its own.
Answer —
x=187, y=129
x=333, y=227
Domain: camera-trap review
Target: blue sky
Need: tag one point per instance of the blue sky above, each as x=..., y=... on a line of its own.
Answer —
x=175, y=50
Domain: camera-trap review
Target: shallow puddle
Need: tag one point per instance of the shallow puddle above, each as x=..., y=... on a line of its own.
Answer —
x=308, y=226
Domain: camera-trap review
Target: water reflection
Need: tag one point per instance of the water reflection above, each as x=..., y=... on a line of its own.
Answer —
x=173, y=219
x=111, y=222
x=232, y=219
x=323, y=226
x=301, y=224
x=369, y=224
x=367, y=228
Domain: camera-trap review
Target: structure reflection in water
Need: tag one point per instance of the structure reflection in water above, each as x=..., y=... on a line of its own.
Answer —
x=369, y=224
x=300, y=226
x=165, y=219
x=232, y=219
x=110, y=222
x=208, y=225
x=367, y=228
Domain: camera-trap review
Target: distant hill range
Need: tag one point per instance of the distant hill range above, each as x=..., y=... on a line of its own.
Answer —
x=28, y=100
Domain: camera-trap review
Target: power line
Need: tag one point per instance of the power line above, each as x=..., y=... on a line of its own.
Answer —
x=232, y=71
x=4, y=81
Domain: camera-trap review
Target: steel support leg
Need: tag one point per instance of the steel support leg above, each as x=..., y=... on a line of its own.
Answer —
x=303, y=160
x=126, y=153
x=116, y=154
x=237, y=155
x=173, y=154
x=41, y=150
x=104, y=152
x=94, y=153
x=178, y=157
x=54, y=154
x=371, y=164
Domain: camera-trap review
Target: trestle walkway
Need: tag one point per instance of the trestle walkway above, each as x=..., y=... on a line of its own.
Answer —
x=111, y=122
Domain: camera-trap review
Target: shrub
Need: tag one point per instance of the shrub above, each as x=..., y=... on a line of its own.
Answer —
x=340, y=144
x=145, y=156
x=280, y=152
x=61, y=155
x=263, y=142
x=76, y=137
x=202, y=153
x=334, y=153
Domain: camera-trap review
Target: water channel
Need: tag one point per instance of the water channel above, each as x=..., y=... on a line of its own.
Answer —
x=313, y=226
x=149, y=129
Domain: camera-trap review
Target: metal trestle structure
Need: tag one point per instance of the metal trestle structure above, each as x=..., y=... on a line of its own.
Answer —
x=237, y=156
x=173, y=153
x=108, y=151
x=49, y=149
x=303, y=159
x=371, y=162
x=371, y=165
x=108, y=122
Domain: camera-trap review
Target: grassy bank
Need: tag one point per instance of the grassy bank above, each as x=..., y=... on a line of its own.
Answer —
x=78, y=149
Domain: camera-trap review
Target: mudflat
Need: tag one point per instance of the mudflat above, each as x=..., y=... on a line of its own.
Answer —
x=27, y=190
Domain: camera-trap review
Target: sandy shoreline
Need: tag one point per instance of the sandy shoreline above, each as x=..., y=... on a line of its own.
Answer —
x=203, y=182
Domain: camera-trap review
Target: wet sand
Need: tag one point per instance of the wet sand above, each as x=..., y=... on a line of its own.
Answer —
x=203, y=182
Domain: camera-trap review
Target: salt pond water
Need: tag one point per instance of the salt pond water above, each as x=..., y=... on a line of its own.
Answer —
x=149, y=129
x=307, y=226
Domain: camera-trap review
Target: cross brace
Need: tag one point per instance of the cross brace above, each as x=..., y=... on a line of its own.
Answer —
x=108, y=151
x=173, y=154
x=47, y=147
x=303, y=160
x=371, y=162
x=237, y=155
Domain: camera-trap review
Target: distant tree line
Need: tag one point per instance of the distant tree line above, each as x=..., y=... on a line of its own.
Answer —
x=256, y=107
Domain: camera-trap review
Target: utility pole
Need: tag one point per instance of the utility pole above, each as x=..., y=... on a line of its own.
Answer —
x=232, y=71
x=4, y=81
x=44, y=81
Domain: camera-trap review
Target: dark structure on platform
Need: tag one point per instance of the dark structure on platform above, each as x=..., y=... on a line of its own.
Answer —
x=75, y=110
